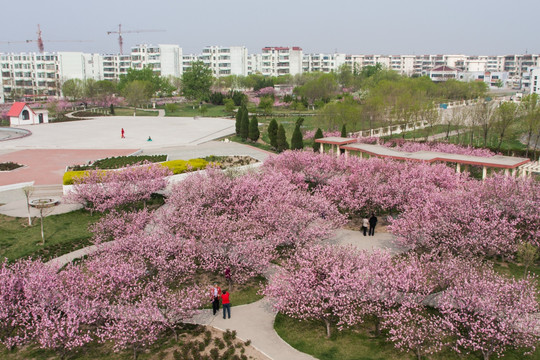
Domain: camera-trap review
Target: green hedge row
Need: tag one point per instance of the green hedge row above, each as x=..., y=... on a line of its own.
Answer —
x=120, y=162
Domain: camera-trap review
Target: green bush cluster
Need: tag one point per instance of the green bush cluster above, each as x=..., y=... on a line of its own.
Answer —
x=182, y=166
x=70, y=176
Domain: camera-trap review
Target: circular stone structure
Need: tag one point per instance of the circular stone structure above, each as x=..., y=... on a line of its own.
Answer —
x=13, y=133
x=43, y=203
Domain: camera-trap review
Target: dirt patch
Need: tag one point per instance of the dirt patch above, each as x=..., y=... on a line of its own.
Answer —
x=231, y=161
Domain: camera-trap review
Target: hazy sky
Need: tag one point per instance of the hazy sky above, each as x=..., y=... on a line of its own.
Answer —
x=471, y=27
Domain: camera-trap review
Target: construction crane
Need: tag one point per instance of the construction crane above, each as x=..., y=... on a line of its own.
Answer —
x=120, y=32
x=40, y=41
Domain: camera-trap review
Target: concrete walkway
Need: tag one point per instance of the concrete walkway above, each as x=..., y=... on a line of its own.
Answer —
x=253, y=322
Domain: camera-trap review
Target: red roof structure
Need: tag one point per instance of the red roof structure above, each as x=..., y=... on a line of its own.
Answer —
x=16, y=109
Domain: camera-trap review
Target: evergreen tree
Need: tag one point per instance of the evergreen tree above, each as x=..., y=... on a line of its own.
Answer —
x=343, y=131
x=272, y=133
x=254, y=132
x=297, y=141
x=318, y=135
x=244, y=125
x=282, y=143
x=239, y=119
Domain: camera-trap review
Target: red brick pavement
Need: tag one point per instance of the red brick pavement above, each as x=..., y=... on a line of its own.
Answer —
x=46, y=167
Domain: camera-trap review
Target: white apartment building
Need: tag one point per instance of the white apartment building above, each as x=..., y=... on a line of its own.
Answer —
x=115, y=65
x=33, y=75
x=325, y=63
x=254, y=64
x=225, y=61
x=163, y=59
x=535, y=81
x=276, y=61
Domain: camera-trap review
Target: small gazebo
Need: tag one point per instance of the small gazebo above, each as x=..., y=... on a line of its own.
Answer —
x=21, y=114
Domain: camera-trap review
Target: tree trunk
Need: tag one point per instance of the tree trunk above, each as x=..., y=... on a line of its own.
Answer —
x=418, y=353
x=377, y=327
x=529, y=135
x=42, y=233
x=327, y=323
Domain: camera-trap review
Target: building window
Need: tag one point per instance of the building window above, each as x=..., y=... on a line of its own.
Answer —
x=25, y=115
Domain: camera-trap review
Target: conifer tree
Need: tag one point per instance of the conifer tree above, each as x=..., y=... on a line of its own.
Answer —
x=297, y=141
x=343, y=131
x=244, y=125
x=272, y=133
x=318, y=135
x=282, y=143
x=254, y=132
x=239, y=119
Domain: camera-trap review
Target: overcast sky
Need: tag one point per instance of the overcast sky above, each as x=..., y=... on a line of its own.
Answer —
x=471, y=27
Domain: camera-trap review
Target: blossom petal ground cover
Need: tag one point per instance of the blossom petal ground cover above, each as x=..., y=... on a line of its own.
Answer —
x=442, y=295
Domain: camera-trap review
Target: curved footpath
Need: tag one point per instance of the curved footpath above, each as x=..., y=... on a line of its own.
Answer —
x=255, y=321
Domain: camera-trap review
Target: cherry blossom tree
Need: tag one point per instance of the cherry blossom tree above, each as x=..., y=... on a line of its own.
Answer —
x=489, y=313
x=319, y=283
x=102, y=190
x=240, y=223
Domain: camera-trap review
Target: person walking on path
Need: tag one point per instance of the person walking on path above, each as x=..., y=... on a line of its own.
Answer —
x=372, y=224
x=365, y=225
x=123, y=137
x=215, y=291
x=226, y=303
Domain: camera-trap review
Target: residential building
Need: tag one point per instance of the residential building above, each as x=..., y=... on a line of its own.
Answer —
x=224, y=61
x=535, y=81
x=444, y=73
x=165, y=60
x=278, y=61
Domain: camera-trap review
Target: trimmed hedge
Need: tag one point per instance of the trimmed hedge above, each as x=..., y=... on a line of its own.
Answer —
x=119, y=162
x=182, y=166
x=69, y=176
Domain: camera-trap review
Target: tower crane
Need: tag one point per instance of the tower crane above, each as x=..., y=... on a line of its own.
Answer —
x=40, y=41
x=120, y=32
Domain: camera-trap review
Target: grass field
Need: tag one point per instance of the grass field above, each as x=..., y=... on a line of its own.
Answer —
x=187, y=110
x=129, y=112
x=63, y=234
x=358, y=343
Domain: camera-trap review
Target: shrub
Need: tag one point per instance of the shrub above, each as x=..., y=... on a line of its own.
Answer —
x=170, y=108
x=182, y=166
x=70, y=176
x=119, y=162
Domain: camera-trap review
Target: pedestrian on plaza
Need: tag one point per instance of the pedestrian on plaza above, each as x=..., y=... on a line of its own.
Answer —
x=226, y=303
x=215, y=292
x=365, y=225
x=123, y=137
x=372, y=223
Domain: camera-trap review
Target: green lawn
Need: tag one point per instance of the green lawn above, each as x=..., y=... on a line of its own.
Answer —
x=63, y=234
x=421, y=133
x=129, y=112
x=357, y=343
x=186, y=110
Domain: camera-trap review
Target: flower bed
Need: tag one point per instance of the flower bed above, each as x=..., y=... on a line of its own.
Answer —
x=8, y=166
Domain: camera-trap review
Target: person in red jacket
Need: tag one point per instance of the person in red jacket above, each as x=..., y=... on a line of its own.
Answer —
x=226, y=303
x=215, y=292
